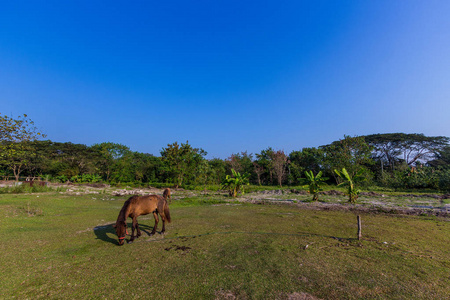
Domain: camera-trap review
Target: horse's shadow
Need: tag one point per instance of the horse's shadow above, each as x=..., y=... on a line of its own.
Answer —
x=107, y=233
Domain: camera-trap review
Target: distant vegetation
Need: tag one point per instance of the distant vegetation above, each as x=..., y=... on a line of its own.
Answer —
x=393, y=160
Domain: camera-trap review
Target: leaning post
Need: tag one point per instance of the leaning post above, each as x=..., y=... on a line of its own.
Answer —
x=358, y=218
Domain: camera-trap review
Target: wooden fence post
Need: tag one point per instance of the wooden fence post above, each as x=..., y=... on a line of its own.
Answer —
x=359, y=227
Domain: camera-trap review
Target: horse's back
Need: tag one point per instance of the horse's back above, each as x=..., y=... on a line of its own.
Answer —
x=144, y=205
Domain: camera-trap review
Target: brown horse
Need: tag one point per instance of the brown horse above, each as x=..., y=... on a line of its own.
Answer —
x=136, y=206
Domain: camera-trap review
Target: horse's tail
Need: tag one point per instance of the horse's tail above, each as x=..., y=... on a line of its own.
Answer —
x=167, y=211
x=163, y=208
x=166, y=194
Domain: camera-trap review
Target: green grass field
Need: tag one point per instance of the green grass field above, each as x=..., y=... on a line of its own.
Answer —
x=62, y=247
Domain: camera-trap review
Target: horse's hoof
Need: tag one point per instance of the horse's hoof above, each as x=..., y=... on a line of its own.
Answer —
x=129, y=242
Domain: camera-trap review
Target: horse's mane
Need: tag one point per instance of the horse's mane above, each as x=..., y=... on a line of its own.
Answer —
x=123, y=214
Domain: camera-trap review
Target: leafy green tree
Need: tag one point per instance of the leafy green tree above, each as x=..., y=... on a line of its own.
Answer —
x=351, y=181
x=392, y=148
x=241, y=162
x=235, y=183
x=264, y=165
x=418, y=177
x=386, y=149
x=441, y=168
x=134, y=167
x=351, y=153
x=258, y=170
x=37, y=159
x=218, y=169
x=444, y=180
x=301, y=161
x=40, y=159
x=203, y=172
x=153, y=169
x=314, y=183
x=180, y=161
x=441, y=158
x=16, y=138
x=73, y=159
x=108, y=156
x=269, y=164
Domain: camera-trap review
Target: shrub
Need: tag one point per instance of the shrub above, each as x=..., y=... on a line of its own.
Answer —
x=314, y=183
x=350, y=181
x=235, y=184
x=61, y=178
x=444, y=180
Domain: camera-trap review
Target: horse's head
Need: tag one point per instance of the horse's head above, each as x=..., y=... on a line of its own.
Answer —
x=121, y=231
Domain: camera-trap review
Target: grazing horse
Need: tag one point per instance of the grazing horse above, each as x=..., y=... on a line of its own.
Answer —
x=136, y=206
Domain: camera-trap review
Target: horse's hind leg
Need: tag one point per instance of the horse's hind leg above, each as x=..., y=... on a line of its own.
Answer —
x=163, y=218
x=156, y=223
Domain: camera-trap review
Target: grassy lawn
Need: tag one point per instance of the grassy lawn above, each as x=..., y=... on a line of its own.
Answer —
x=62, y=246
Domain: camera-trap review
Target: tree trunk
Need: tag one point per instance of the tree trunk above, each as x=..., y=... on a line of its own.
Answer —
x=16, y=171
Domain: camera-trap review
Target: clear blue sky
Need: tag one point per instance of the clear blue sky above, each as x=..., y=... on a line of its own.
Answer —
x=227, y=76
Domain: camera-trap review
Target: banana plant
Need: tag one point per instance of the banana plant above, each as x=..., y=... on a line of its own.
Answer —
x=314, y=183
x=350, y=181
x=235, y=183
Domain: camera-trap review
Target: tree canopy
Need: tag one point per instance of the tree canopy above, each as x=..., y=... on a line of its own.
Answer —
x=391, y=148
x=396, y=160
x=16, y=136
x=181, y=161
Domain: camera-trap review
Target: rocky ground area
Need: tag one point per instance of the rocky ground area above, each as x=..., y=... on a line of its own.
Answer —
x=371, y=202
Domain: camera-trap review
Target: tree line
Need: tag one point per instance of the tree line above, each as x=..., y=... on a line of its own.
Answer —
x=396, y=160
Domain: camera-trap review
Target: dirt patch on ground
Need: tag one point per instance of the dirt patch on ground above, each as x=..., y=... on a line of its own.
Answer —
x=225, y=295
x=301, y=296
x=418, y=205
x=374, y=209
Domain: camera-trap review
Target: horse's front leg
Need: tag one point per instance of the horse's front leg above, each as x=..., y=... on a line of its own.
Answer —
x=137, y=229
x=133, y=228
x=132, y=233
x=155, y=215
